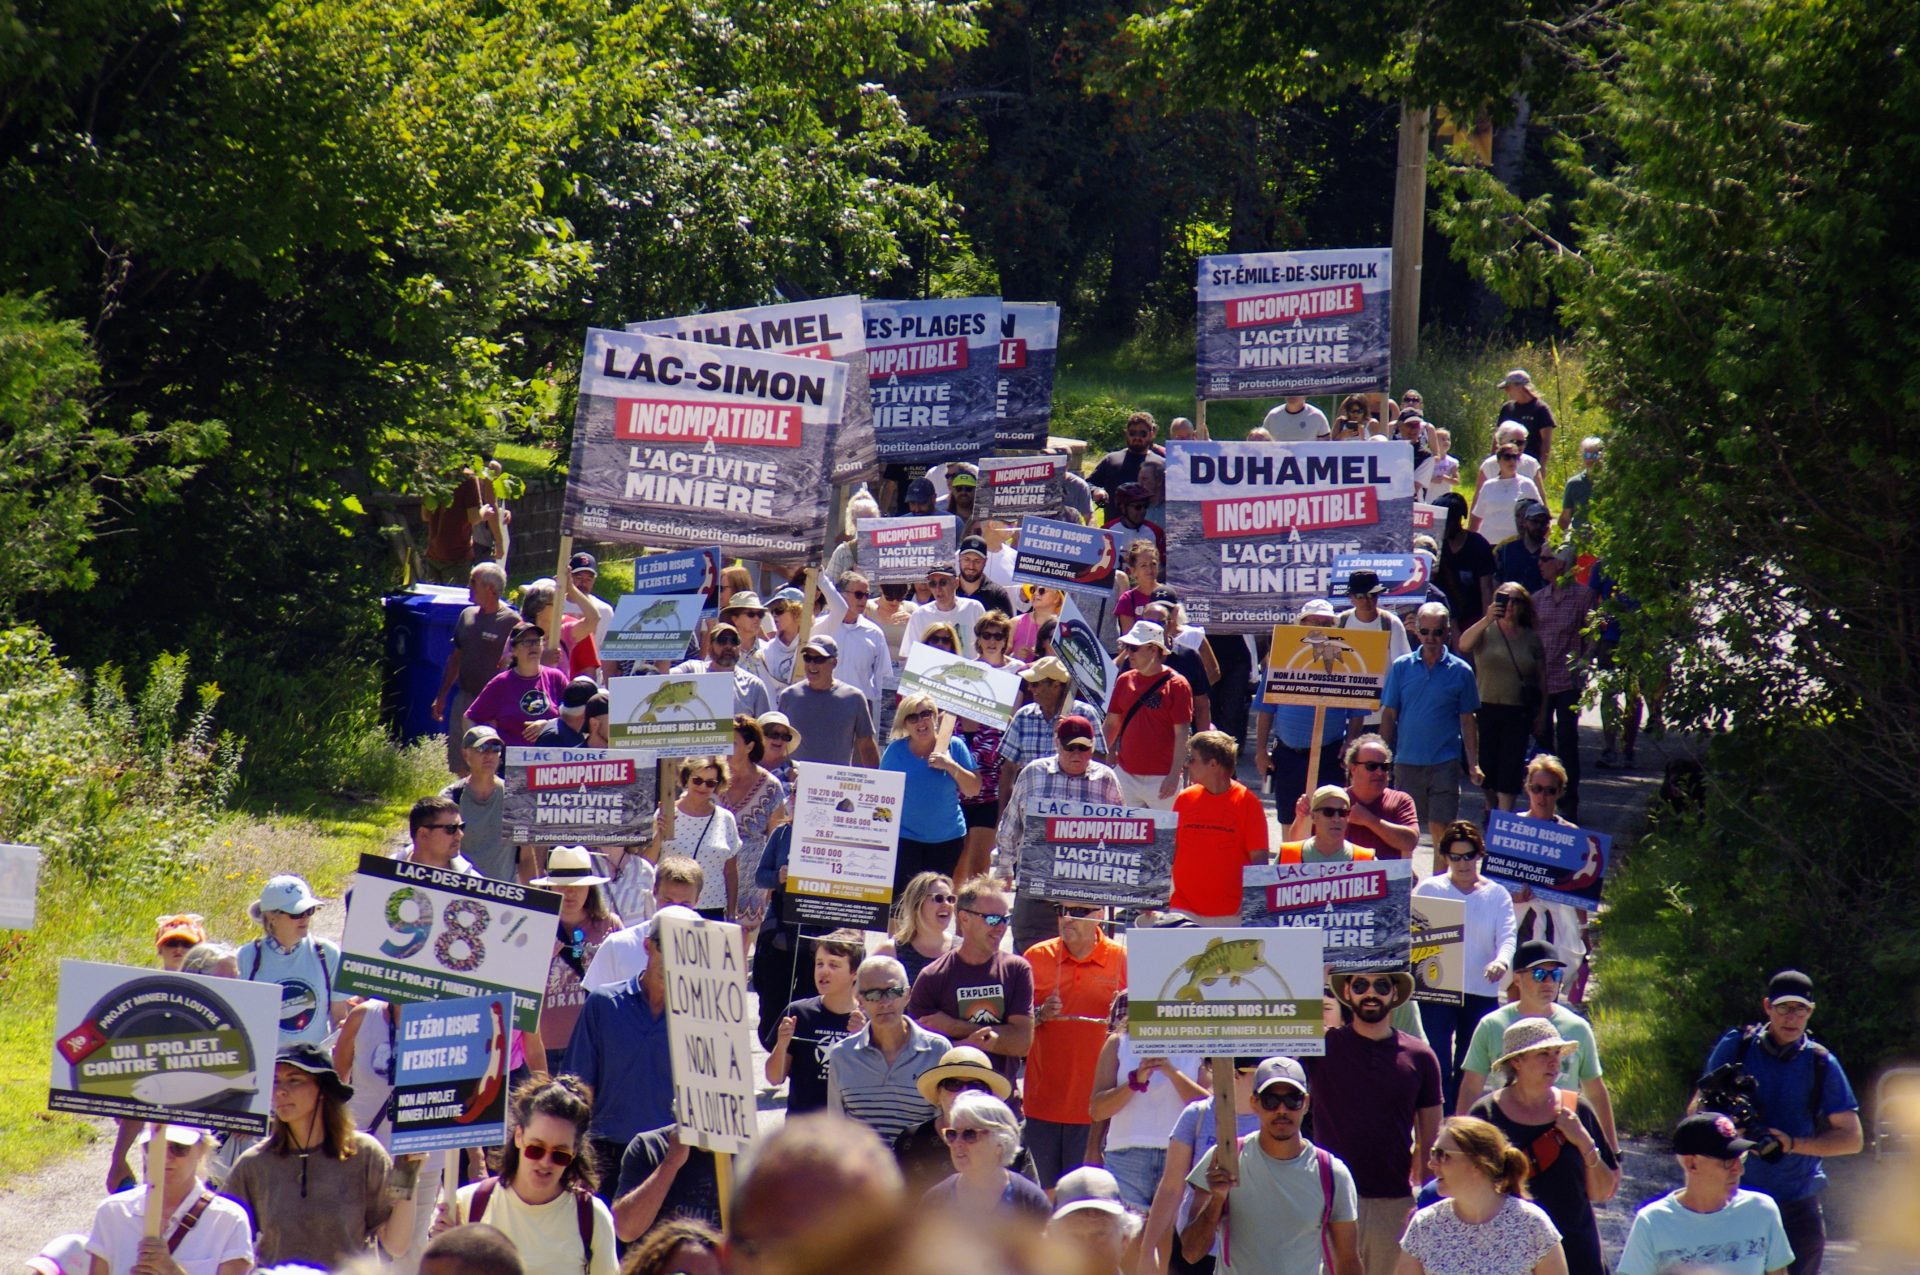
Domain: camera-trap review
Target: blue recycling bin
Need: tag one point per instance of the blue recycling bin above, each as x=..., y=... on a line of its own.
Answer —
x=419, y=639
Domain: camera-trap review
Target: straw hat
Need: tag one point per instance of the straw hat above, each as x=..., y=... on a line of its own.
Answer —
x=962, y=1062
x=1529, y=1035
x=569, y=865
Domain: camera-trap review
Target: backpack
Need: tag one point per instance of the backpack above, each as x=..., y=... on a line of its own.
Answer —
x=1290, y=852
x=582, y=1206
x=326, y=971
x=1821, y=1055
x=1323, y=1161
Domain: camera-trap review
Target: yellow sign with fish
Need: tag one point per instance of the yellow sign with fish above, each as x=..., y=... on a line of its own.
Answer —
x=1319, y=664
x=1215, y=992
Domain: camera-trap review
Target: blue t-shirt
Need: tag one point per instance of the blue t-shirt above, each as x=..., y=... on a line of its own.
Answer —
x=931, y=810
x=1428, y=702
x=1744, y=1238
x=1786, y=1086
x=306, y=989
x=619, y=1046
x=1293, y=723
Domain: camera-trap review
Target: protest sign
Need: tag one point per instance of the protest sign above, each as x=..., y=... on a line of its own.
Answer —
x=829, y=328
x=682, y=571
x=1019, y=486
x=1252, y=528
x=1439, y=951
x=709, y=1033
x=418, y=933
x=1195, y=991
x=1361, y=907
x=846, y=838
x=1429, y=519
x=1335, y=668
x=570, y=796
x=1029, y=340
x=142, y=1044
x=1558, y=862
x=1276, y=323
x=1401, y=573
x=1065, y=555
x=1079, y=647
x=900, y=550
x=449, y=1076
x=19, y=885
x=652, y=626
x=963, y=687
x=1074, y=852
x=934, y=368
x=677, y=445
x=673, y=715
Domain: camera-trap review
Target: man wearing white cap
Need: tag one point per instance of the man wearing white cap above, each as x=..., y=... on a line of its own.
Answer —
x=1149, y=720
x=1089, y=1216
x=202, y=1233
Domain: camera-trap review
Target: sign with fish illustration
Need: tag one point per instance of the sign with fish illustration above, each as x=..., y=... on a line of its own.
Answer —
x=846, y=838
x=19, y=885
x=710, y=1033
x=1193, y=990
x=1362, y=908
x=652, y=626
x=449, y=1075
x=1084, y=654
x=963, y=687
x=570, y=796
x=142, y=1044
x=1075, y=852
x=900, y=550
x=1558, y=862
x=419, y=933
x=1339, y=668
x=678, y=715
x=1439, y=951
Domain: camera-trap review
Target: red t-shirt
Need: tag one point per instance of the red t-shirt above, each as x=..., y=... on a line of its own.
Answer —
x=1394, y=806
x=1219, y=833
x=1145, y=746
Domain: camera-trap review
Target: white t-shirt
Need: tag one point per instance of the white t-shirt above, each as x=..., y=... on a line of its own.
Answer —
x=1744, y=1238
x=223, y=1233
x=548, y=1235
x=1307, y=425
x=1387, y=621
x=603, y=616
x=1493, y=506
x=965, y=614
x=1528, y=468
x=621, y=956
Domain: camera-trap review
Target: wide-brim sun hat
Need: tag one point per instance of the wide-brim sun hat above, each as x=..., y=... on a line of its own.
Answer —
x=1402, y=985
x=962, y=1062
x=1531, y=1035
x=569, y=865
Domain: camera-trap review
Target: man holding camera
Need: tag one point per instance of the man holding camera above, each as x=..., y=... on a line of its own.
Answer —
x=1804, y=1109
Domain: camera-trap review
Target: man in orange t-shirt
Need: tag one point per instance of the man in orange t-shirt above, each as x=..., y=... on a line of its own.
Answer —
x=1222, y=828
x=1075, y=978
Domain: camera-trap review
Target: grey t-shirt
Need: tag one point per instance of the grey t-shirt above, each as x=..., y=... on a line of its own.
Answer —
x=478, y=641
x=829, y=722
x=485, y=844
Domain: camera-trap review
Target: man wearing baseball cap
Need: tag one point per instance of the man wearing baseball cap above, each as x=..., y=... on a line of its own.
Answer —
x=1090, y=1218
x=947, y=607
x=1284, y=733
x=1149, y=719
x=1711, y=1223
x=972, y=561
x=834, y=722
x=1068, y=773
x=730, y=649
x=1807, y=1103
x=481, y=798
x=584, y=569
x=1271, y=1205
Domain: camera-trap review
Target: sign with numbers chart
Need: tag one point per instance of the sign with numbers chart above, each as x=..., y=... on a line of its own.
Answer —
x=846, y=836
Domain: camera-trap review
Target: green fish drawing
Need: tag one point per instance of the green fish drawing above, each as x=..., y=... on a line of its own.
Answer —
x=675, y=696
x=1231, y=959
x=660, y=615
x=960, y=672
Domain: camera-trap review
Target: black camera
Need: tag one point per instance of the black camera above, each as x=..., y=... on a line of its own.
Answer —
x=1730, y=1091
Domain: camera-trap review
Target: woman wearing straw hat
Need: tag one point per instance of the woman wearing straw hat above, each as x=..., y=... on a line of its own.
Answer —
x=922, y=1148
x=586, y=919
x=1571, y=1168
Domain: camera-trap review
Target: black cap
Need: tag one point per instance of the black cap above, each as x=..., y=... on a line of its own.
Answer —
x=1710, y=1134
x=974, y=544
x=1533, y=952
x=583, y=562
x=579, y=692
x=1790, y=987
x=598, y=706
x=920, y=489
x=1363, y=583
x=1164, y=593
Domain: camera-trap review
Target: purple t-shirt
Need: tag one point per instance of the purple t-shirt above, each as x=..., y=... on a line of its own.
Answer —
x=511, y=700
x=1365, y=1093
x=984, y=995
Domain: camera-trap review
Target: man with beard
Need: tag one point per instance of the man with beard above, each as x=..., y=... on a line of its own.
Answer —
x=973, y=577
x=1117, y=468
x=723, y=644
x=1377, y=1098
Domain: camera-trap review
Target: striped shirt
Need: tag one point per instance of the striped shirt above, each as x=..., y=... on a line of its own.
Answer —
x=1043, y=778
x=1560, y=612
x=882, y=1095
x=1030, y=734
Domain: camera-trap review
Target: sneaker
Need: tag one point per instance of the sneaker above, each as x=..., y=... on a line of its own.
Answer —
x=1609, y=759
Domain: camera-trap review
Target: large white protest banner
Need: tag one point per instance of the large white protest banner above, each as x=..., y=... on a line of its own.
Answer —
x=829, y=328
x=1029, y=343
x=1195, y=990
x=934, y=369
x=143, y=1044
x=418, y=933
x=1253, y=529
x=846, y=838
x=680, y=445
x=709, y=1033
x=1271, y=324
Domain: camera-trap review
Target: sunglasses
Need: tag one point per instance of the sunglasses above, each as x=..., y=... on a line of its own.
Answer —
x=455, y=828
x=1545, y=790
x=698, y=782
x=811, y=658
x=943, y=898
x=1359, y=984
x=1441, y=1155
x=1375, y=766
x=1547, y=973
x=968, y=1136
x=960, y=1084
x=1078, y=746
x=1468, y=857
x=536, y=1153
x=891, y=992
x=989, y=637
x=922, y=715
x=492, y=747
x=940, y=581
x=1431, y=632
x=1075, y=911
x=726, y=639
x=777, y=736
x=858, y=593
x=994, y=919
x=1331, y=812
x=1292, y=1100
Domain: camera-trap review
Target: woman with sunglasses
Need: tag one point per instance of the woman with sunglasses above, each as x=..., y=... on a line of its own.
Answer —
x=1043, y=604
x=1570, y=1165
x=1496, y=498
x=1483, y=1224
x=983, y=1139
x=922, y=1148
x=779, y=740
x=705, y=832
x=759, y=805
x=1354, y=421
x=922, y=923
x=543, y=1198
x=992, y=636
x=1560, y=924
x=201, y=1234
x=1510, y=670
x=1487, y=943
x=933, y=829
x=522, y=698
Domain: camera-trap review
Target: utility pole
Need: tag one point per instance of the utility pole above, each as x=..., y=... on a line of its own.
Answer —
x=1409, y=232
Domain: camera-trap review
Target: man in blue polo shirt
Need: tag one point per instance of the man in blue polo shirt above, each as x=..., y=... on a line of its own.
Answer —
x=1426, y=717
x=1807, y=1104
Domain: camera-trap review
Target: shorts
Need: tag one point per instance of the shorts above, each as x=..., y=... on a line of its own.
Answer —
x=1143, y=790
x=980, y=814
x=1435, y=789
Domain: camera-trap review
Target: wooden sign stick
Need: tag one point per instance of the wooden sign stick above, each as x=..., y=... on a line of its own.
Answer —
x=156, y=1212
x=1313, y=761
x=560, y=578
x=1226, y=1124
x=806, y=610
x=723, y=1183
